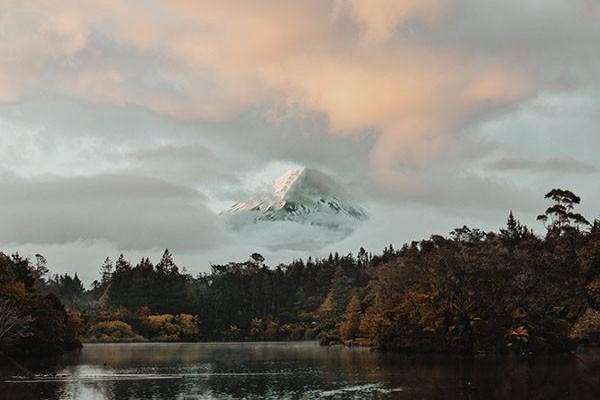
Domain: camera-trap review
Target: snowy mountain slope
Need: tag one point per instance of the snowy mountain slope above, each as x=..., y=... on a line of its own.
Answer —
x=304, y=196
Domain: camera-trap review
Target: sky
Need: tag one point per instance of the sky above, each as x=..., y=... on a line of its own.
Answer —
x=128, y=126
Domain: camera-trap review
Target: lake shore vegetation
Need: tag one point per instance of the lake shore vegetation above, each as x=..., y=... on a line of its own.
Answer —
x=469, y=292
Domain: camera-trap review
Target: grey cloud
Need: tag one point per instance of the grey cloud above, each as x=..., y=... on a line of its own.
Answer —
x=256, y=138
x=101, y=138
x=564, y=165
x=214, y=154
x=70, y=117
x=133, y=212
x=536, y=30
x=193, y=163
x=456, y=190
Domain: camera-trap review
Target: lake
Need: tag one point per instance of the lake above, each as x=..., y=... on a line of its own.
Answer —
x=296, y=370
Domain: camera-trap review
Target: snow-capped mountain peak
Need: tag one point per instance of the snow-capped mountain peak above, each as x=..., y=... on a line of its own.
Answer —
x=304, y=196
x=285, y=182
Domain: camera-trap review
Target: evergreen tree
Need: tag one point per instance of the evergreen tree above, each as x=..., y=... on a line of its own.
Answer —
x=326, y=312
x=341, y=290
x=122, y=265
x=145, y=266
x=350, y=327
x=41, y=266
x=514, y=230
x=166, y=265
x=39, y=272
x=106, y=271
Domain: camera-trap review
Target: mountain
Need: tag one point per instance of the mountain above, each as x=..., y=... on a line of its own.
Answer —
x=303, y=196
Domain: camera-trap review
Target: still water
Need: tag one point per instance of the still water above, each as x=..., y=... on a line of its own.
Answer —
x=296, y=370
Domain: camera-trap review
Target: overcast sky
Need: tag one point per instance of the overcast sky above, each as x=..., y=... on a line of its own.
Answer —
x=127, y=126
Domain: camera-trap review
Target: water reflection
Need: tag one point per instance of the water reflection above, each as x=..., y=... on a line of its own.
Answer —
x=296, y=371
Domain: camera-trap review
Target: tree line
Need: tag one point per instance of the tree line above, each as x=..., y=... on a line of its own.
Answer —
x=34, y=321
x=468, y=292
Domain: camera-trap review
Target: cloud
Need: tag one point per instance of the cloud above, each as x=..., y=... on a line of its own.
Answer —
x=409, y=88
x=564, y=165
x=408, y=92
x=432, y=103
x=453, y=190
x=192, y=163
x=379, y=17
x=196, y=59
x=132, y=212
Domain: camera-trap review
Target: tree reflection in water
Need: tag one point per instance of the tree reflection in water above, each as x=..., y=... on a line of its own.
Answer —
x=298, y=370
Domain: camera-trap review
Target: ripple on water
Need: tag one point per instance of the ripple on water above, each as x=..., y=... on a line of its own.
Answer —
x=355, y=391
x=62, y=378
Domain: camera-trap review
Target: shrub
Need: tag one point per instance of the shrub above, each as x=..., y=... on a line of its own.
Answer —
x=328, y=339
x=587, y=328
x=188, y=325
x=113, y=331
x=310, y=334
x=297, y=333
x=160, y=325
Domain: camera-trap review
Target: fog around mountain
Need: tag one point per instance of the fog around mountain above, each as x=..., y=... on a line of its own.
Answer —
x=306, y=210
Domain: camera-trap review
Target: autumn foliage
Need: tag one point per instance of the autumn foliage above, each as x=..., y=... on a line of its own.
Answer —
x=468, y=292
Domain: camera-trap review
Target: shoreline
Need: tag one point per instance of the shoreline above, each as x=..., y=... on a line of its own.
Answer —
x=315, y=343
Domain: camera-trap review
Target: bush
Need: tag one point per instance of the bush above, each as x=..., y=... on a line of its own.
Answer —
x=271, y=330
x=170, y=328
x=156, y=326
x=328, y=339
x=310, y=334
x=113, y=331
x=188, y=325
x=297, y=333
x=587, y=328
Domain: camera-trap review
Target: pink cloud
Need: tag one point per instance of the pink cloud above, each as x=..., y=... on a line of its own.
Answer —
x=206, y=59
x=378, y=18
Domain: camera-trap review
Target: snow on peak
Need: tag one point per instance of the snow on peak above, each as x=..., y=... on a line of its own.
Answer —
x=304, y=196
x=285, y=182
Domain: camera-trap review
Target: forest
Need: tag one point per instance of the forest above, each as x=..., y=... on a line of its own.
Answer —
x=468, y=292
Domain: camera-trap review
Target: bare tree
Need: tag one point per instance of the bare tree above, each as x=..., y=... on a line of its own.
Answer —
x=14, y=324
